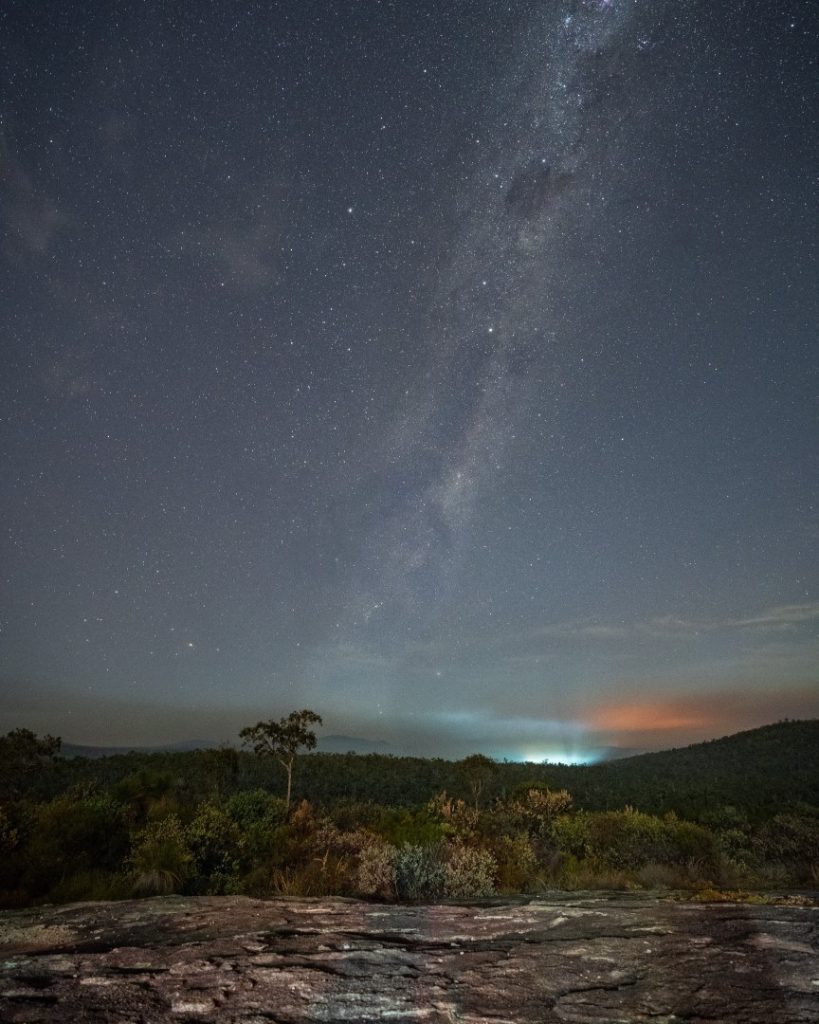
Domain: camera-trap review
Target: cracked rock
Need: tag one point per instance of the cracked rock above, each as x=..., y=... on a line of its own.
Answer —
x=575, y=959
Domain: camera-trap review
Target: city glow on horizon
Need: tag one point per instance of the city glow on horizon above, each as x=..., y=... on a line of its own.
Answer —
x=557, y=756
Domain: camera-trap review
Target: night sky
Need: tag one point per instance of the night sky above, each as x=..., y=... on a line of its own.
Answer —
x=449, y=368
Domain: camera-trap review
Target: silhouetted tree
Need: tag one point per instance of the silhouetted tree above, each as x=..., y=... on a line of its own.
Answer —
x=283, y=739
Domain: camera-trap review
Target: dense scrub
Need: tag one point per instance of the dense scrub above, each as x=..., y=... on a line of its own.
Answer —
x=215, y=822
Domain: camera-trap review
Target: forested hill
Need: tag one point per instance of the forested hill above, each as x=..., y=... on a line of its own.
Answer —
x=760, y=771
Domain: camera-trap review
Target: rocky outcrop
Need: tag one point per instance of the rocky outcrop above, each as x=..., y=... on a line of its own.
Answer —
x=581, y=958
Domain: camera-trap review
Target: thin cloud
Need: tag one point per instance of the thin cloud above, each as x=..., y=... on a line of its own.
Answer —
x=579, y=629
x=786, y=615
x=779, y=618
x=30, y=218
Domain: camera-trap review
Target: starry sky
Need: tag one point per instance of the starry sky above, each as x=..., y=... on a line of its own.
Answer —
x=448, y=368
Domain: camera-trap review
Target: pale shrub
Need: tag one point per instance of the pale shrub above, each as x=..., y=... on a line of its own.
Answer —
x=376, y=869
x=469, y=872
x=419, y=872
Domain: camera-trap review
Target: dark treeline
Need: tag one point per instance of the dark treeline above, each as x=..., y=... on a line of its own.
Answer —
x=742, y=811
x=759, y=773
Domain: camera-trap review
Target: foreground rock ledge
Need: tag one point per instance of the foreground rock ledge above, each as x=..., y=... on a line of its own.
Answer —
x=578, y=958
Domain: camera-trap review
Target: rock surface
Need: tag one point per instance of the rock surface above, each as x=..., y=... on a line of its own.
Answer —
x=568, y=958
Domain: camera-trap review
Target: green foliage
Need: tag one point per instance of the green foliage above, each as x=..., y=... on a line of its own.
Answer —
x=757, y=774
x=22, y=753
x=160, y=860
x=68, y=836
x=793, y=843
x=267, y=842
x=142, y=789
x=627, y=839
x=214, y=841
x=220, y=768
x=734, y=845
x=691, y=844
x=516, y=863
x=351, y=814
x=91, y=885
x=572, y=834
x=420, y=872
x=254, y=807
x=418, y=827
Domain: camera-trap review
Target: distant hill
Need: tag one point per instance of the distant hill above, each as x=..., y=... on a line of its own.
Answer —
x=81, y=750
x=326, y=744
x=352, y=744
x=760, y=770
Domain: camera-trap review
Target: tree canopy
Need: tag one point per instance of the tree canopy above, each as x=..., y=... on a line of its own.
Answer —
x=283, y=739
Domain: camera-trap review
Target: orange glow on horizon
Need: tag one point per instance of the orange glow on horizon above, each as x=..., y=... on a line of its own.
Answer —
x=645, y=716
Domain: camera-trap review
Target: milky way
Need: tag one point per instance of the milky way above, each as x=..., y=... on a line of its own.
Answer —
x=450, y=369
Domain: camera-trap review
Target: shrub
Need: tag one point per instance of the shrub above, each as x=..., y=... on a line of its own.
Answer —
x=734, y=845
x=690, y=844
x=469, y=872
x=516, y=863
x=256, y=805
x=142, y=788
x=213, y=840
x=9, y=836
x=572, y=834
x=160, y=860
x=349, y=815
x=537, y=810
x=401, y=826
x=92, y=885
x=457, y=817
x=377, y=870
x=628, y=839
x=368, y=860
x=69, y=836
x=326, y=876
x=419, y=872
x=789, y=846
